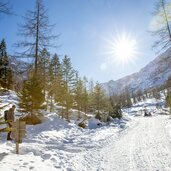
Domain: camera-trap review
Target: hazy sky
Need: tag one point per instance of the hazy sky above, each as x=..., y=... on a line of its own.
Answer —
x=88, y=28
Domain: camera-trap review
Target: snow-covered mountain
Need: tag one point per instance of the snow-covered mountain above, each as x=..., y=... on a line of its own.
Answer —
x=19, y=68
x=151, y=76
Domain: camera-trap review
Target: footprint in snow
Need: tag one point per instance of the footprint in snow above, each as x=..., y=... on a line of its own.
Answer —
x=53, y=159
x=46, y=156
x=25, y=163
x=31, y=167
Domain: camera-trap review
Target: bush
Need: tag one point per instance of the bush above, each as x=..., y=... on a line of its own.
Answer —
x=116, y=112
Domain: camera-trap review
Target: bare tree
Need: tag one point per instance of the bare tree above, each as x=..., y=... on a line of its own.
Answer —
x=5, y=7
x=36, y=31
x=162, y=26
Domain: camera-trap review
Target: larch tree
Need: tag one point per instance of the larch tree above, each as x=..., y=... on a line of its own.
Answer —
x=37, y=35
x=36, y=31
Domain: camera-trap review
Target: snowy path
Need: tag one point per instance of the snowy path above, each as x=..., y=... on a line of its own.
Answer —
x=145, y=147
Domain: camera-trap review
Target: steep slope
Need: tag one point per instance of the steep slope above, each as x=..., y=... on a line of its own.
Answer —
x=152, y=75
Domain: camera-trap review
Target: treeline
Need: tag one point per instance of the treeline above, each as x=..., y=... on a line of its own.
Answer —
x=56, y=82
x=163, y=91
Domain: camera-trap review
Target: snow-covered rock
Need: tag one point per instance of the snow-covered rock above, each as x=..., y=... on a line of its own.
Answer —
x=94, y=123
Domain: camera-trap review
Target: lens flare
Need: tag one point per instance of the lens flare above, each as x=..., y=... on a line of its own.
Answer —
x=123, y=49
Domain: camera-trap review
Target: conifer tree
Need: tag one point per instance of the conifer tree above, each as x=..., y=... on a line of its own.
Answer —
x=43, y=67
x=127, y=98
x=168, y=94
x=99, y=98
x=36, y=31
x=32, y=97
x=69, y=79
x=85, y=95
x=56, y=84
x=6, y=75
x=168, y=100
x=91, y=96
x=78, y=94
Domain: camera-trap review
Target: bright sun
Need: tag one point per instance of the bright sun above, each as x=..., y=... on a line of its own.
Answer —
x=124, y=49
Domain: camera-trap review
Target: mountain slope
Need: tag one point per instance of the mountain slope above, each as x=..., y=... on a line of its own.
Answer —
x=152, y=75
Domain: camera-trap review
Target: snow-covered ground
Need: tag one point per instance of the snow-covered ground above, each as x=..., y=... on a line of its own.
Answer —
x=140, y=144
x=56, y=145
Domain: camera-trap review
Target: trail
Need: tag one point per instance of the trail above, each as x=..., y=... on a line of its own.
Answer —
x=145, y=147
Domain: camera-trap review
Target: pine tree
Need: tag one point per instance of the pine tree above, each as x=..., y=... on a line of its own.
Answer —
x=91, y=96
x=78, y=94
x=69, y=79
x=6, y=75
x=55, y=86
x=85, y=96
x=43, y=67
x=114, y=106
x=32, y=97
x=99, y=98
x=10, y=78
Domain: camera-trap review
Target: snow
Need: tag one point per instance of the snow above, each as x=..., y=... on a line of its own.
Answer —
x=131, y=143
x=54, y=145
x=93, y=123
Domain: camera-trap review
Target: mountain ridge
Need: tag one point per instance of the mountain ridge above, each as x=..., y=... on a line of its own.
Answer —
x=153, y=75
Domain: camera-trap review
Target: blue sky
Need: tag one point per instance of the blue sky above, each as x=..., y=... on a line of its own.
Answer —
x=86, y=28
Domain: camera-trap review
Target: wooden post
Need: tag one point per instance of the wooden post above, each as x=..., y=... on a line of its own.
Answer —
x=19, y=133
x=17, y=136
